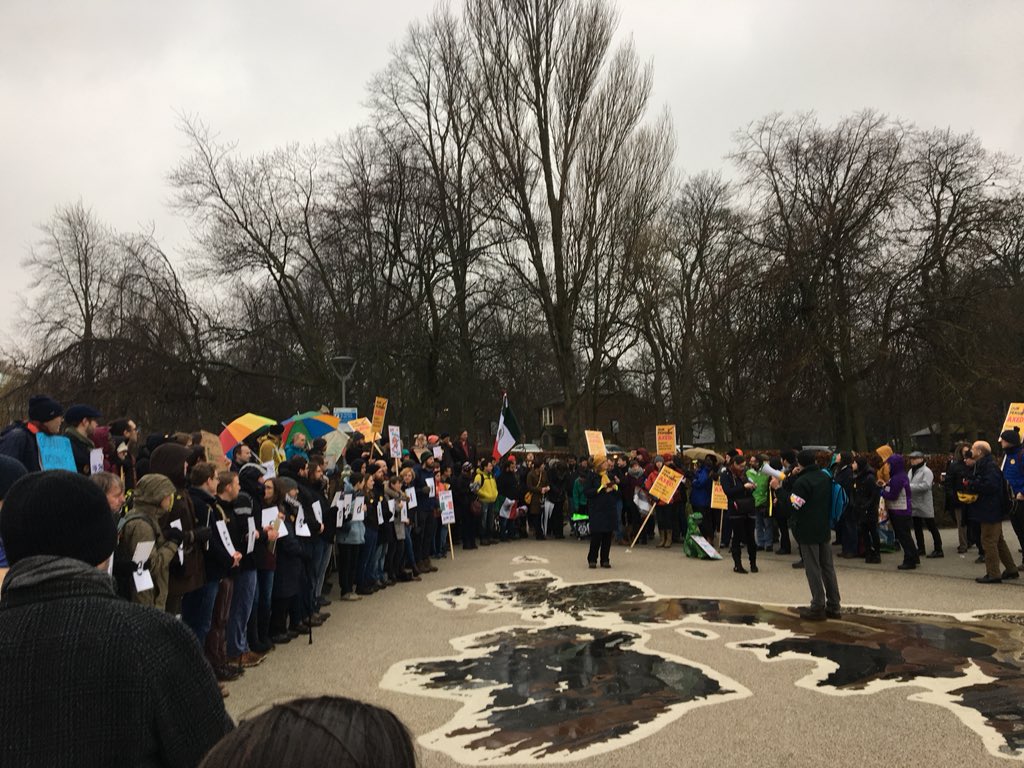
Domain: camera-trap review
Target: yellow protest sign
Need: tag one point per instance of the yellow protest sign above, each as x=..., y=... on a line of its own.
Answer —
x=665, y=438
x=718, y=498
x=666, y=483
x=595, y=443
x=380, y=408
x=362, y=426
x=1014, y=418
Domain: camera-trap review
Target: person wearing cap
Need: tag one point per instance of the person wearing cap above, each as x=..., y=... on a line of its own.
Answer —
x=90, y=679
x=986, y=481
x=922, y=505
x=80, y=423
x=1013, y=471
x=270, y=446
x=810, y=507
x=11, y=471
x=19, y=439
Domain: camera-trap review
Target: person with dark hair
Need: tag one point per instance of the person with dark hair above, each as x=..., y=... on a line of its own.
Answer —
x=1013, y=471
x=783, y=486
x=739, y=490
x=700, y=495
x=80, y=423
x=246, y=510
x=462, y=499
x=124, y=441
x=848, y=526
x=811, y=503
x=763, y=533
x=602, y=495
x=270, y=446
x=952, y=482
x=73, y=693
x=324, y=732
x=356, y=450
x=463, y=450
x=19, y=439
x=864, y=507
x=351, y=536
x=287, y=608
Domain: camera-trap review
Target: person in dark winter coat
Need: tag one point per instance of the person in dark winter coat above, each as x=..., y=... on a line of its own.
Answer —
x=80, y=424
x=864, y=507
x=986, y=481
x=19, y=439
x=601, y=493
x=952, y=482
x=462, y=499
x=71, y=695
x=290, y=574
x=811, y=503
x=739, y=490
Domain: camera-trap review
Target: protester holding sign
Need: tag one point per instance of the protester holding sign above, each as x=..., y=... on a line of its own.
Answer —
x=19, y=439
x=602, y=504
x=742, y=511
x=151, y=499
x=80, y=424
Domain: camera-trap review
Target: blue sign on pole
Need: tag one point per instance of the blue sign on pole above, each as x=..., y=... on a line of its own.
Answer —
x=345, y=415
x=55, y=452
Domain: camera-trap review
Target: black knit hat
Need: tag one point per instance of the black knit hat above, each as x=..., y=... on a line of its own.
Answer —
x=43, y=408
x=1011, y=436
x=57, y=513
x=806, y=458
x=11, y=470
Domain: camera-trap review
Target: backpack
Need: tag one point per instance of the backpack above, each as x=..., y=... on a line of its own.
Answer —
x=839, y=501
x=1008, y=499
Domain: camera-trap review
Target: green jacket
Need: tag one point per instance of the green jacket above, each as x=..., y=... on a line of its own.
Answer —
x=812, y=500
x=760, y=481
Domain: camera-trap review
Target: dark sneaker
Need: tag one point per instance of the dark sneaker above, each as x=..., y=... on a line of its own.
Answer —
x=936, y=553
x=1011, y=574
x=907, y=566
x=812, y=614
x=836, y=614
x=798, y=564
x=986, y=579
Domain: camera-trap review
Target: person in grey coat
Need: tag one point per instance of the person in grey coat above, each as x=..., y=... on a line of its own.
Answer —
x=923, y=505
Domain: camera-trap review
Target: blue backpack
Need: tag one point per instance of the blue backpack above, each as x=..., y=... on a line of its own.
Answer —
x=839, y=501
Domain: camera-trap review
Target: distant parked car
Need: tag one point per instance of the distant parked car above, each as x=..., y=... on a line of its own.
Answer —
x=521, y=449
x=615, y=450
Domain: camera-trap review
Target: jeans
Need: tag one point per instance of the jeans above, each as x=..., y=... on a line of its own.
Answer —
x=321, y=560
x=821, y=576
x=241, y=609
x=197, y=609
x=486, y=521
x=364, y=572
x=763, y=534
x=849, y=532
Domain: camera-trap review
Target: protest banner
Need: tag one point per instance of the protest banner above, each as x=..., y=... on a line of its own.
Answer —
x=380, y=409
x=643, y=503
x=1014, y=418
x=55, y=452
x=718, y=498
x=346, y=415
x=395, y=445
x=362, y=426
x=95, y=461
x=665, y=439
x=666, y=484
x=595, y=443
x=704, y=544
x=448, y=516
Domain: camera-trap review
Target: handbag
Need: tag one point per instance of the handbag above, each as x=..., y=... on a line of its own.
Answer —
x=476, y=508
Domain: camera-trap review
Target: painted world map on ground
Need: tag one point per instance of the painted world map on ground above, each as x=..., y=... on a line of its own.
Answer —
x=575, y=678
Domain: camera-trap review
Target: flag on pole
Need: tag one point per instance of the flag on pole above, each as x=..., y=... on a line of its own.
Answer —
x=508, y=430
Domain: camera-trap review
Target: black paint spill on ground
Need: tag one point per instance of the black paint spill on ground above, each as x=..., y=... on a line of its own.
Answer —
x=564, y=689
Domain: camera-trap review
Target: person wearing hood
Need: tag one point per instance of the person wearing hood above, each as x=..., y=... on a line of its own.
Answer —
x=1013, y=471
x=151, y=499
x=986, y=481
x=864, y=507
x=19, y=439
x=898, y=503
x=188, y=572
x=90, y=679
x=700, y=495
x=923, y=505
x=80, y=423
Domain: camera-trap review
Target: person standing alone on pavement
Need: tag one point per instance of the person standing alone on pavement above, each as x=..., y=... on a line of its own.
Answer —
x=986, y=481
x=811, y=502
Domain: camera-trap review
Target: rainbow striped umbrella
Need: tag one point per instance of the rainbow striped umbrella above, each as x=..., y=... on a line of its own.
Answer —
x=312, y=424
x=241, y=428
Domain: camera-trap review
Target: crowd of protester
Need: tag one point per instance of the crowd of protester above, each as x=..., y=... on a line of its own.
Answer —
x=244, y=552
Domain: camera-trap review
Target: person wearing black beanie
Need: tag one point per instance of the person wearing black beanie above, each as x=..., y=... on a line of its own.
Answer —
x=11, y=471
x=19, y=439
x=90, y=679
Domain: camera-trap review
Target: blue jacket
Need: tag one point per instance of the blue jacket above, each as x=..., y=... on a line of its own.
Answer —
x=1013, y=469
x=700, y=492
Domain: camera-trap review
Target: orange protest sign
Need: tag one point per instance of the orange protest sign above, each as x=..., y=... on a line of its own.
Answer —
x=665, y=438
x=666, y=483
x=718, y=498
x=362, y=426
x=595, y=443
x=1014, y=418
x=380, y=408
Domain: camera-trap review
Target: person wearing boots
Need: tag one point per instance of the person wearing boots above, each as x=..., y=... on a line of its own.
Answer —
x=864, y=507
x=742, y=511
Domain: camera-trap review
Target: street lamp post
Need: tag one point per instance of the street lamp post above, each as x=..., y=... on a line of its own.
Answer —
x=343, y=365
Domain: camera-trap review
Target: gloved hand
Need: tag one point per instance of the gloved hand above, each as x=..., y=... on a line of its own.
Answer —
x=173, y=534
x=203, y=534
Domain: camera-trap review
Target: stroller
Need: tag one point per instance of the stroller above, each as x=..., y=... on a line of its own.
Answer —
x=580, y=524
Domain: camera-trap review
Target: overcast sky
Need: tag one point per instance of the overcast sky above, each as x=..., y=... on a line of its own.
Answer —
x=89, y=91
